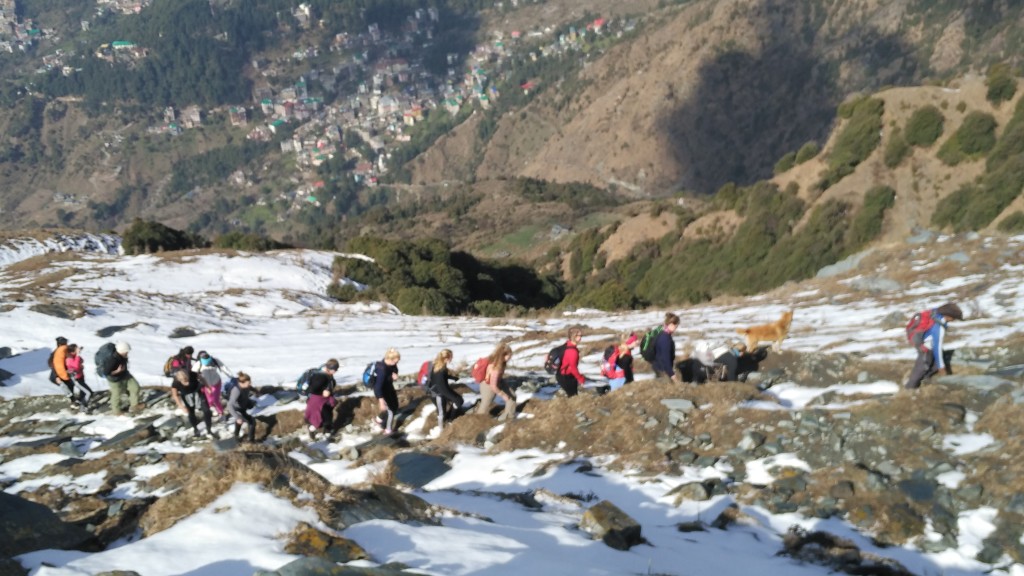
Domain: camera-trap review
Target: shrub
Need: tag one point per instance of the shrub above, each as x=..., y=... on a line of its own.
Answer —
x=858, y=139
x=1011, y=141
x=975, y=137
x=1012, y=224
x=948, y=212
x=145, y=237
x=896, y=150
x=343, y=292
x=490, y=308
x=249, y=242
x=1001, y=84
x=807, y=151
x=924, y=126
x=867, y=224
x=784, y=164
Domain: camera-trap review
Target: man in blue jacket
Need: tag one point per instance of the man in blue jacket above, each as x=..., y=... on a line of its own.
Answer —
x=665, y=349
x=930, y=358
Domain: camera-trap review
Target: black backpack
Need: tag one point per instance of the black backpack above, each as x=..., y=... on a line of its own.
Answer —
x=647, y=344
x=554, y=360
x=102, y=358
x=302, y=384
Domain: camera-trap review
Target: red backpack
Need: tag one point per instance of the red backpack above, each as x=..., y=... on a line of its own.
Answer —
x=423, y=378
x=479, y=371
x=918, y=326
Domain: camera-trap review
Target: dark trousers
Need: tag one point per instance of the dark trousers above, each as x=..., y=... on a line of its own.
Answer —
x=924, y=367
x=568, y=383
x=198, y=400
x=445, y=399
x=251, y=421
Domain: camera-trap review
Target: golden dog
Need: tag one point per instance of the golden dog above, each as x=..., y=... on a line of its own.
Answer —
x=774, y=332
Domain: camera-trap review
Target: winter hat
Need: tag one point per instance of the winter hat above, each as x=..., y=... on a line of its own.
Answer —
x=951, y=310
x=122, y=348
x=631, y=340
x=61, y=340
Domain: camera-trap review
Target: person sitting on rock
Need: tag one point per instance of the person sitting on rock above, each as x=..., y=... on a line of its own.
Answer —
x=241, y=401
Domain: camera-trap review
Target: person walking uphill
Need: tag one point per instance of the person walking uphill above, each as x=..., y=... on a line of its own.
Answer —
x=121, y=380
x=75, y=366
x=493, y=384
x=384, y=390
x=569, y=377
x=241, y=401
x=209, y=376
x=185, y=393
x=445, y=399
x=321, y=402
x=927, y=334
x=665, y=349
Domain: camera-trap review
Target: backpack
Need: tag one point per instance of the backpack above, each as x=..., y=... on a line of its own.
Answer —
x=370, y=375
x=647, y=344
x=49, y=361
x=302, y=384
x=228, y=386
x=918, y=325
x=608, y=364
x=102, y=358
x=479, y=370
x=423, y=378
x=169, y=366
x=554, y=360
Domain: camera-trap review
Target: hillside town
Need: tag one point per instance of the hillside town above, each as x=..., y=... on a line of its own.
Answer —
x=376, y=92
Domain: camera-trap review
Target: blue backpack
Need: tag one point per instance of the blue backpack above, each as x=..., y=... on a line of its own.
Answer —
x=370, y=375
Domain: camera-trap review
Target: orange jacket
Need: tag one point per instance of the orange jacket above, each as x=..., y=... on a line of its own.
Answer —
x=59, y=356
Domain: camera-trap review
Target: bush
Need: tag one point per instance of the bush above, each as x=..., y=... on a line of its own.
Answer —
x=1011, y=141
x=975, y=137
x=1001, y=85
x=856, y=142
x=145, y=237
x=924, y=126
x=785, y=163
x=249, y=242
x=343, y=292
x=867, y=224
x=1012, y=224
x=948, y=212
x=490, y=308
x=896, y=150
x=807, y=151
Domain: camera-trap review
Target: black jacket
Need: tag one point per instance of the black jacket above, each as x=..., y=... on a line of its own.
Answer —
x=319, y=382
x=114, y=362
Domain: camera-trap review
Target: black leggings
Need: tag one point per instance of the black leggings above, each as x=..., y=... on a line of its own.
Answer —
x=251, y=421
x=190, y=400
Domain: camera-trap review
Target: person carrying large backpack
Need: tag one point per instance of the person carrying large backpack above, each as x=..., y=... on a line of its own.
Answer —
x=320, y=403
x=617, y=365
x=568, y=376
x=75, y=366
x=115, y=370
x=926, y=332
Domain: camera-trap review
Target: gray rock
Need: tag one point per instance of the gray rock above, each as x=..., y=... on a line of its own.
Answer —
x=921, y=236
x=605, y=521
x=48, y=531
x=417, y=469
x=182, y=332
x=71, y=449
x=844, y=266
x=751, y=440
x=706, y=461
x=875, y=284
x=958, y=257
x=918, y=489
x=64, y=312
x=226, y=445
x=893, y=320
x=5, y=352
x=40, y=442
x=380, y=503
x=131, y=437
x=679, y=405
x=692, y=491
x=316, y=566
x=980, y=382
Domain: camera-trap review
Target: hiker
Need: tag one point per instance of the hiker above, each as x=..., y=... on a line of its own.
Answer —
x=618, y=367
x=729, y=361
x=928, y=341
x=384, y=390
x=59, y=371
x=185, y=393
x=241, y=400
x=665, y=349
x=181, y=361
x=494, y=385
x=74, y=364
x=120, y=379
x=445, y=399
x=209, y=376
x=320, y=404
x=568, y=376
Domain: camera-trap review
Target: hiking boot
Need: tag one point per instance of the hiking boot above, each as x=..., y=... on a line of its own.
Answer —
x=312, y=433
x=137, y=408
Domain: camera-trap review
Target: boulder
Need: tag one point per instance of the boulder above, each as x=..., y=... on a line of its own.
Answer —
x=26, y=526
x=308, y=541
x=131, y=437
x=314, y=566
x=417, y=469
x=381, y=503
x=605, y=521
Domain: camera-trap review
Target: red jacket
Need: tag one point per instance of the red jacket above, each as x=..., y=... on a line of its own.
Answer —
x=610, y=368
x=571, y=362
